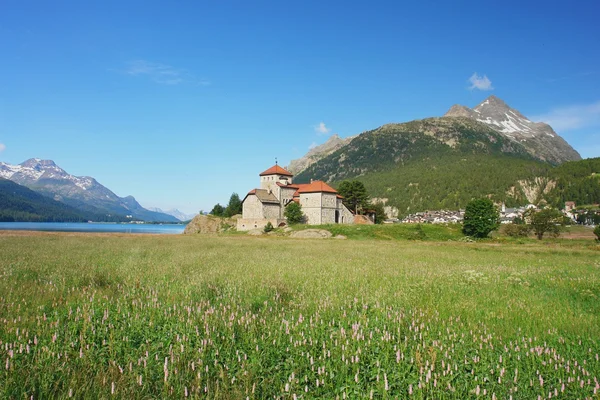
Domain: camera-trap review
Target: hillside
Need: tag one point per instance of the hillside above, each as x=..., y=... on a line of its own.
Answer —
x=577, y=181
x=20, y=204
x=82, y=192
x=434, y=163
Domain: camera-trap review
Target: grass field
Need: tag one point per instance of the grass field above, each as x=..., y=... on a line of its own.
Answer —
x=229, y=317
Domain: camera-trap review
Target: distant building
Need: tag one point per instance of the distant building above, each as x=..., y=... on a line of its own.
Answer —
x=569, y=206
x=321, y=204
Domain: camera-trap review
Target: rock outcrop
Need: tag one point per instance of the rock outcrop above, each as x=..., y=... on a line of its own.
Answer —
x=209, y=224
x=311, y=234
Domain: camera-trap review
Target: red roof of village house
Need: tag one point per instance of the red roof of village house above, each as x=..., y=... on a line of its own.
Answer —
x=276, y=170
x=315, y=187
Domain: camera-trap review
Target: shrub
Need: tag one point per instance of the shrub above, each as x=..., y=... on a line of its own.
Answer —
x=516, y=230
x=268, y=227
x=597, y=233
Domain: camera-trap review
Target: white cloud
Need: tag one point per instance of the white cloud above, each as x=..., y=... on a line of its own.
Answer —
x=480, y=82
x=572, y=117
x=162, y=73
x=322, y=129
x=2, y=147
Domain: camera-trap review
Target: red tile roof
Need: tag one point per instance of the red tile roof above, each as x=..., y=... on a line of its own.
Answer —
x=290, y=186
x=315, y=187
x=276, y=170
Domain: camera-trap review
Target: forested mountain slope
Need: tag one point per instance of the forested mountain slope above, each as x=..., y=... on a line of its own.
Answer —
x=18, y=203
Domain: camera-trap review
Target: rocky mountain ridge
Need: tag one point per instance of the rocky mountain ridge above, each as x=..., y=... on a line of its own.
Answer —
x=540, y=140
x=81, y=192
x=317, y=153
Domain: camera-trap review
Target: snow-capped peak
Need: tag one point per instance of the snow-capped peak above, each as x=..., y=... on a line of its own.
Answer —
x=540, y=139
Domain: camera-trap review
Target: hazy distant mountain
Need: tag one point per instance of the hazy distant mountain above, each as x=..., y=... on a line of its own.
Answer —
x=82, y=192
x=538, y=138
x=175, y=213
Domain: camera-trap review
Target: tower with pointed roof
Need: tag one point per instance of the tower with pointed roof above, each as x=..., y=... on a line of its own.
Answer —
x=275, y=175
x=321, y=204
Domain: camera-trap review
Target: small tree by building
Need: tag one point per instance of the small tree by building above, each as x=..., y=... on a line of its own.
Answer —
x=293, y=213
x=380, y=214
x=268, y=227
x=217, y=210
x=355, y=195
x=234, y=206
x=548, y=220
x=481, y=217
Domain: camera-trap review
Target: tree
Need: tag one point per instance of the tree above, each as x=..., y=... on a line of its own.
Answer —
x=481, y=217
x=234, y=207
x=217, y=210
x=548, y=220
x=354, y=194
x=380, y=214
x=293, y=213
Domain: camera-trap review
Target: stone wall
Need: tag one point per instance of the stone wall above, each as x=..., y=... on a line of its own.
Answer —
x=328, y=200
x=271, y=211
x=247, y=224
x=311, y=207
x=328, y=216
x=252, y=207
x=346, y=217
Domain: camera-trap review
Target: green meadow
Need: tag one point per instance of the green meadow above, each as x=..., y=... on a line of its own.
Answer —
x=235, y=317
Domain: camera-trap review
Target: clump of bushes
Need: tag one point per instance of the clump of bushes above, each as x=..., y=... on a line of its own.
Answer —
x=268, y=227
x=516, y=230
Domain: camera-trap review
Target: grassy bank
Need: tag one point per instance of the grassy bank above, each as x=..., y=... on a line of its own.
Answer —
x=434, y=232
x=236, y=317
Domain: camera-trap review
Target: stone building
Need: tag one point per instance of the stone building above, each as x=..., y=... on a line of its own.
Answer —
x=321, y=204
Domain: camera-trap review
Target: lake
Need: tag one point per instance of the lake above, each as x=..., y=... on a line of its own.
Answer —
x=92, y=227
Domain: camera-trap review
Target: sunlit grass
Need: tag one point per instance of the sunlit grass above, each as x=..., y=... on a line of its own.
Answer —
x=236, y=317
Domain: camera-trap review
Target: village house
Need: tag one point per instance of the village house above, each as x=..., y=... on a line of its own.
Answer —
x=321, y=204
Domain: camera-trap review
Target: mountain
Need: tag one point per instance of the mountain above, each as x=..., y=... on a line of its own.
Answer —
x=82, y=192
x=491, y=150
x=175, y=213
x=538, y=138
x=20, y=204
x=434, y=163
x=318, y=152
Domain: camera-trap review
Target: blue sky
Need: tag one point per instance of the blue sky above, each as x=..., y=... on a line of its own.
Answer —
x=182, y=103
